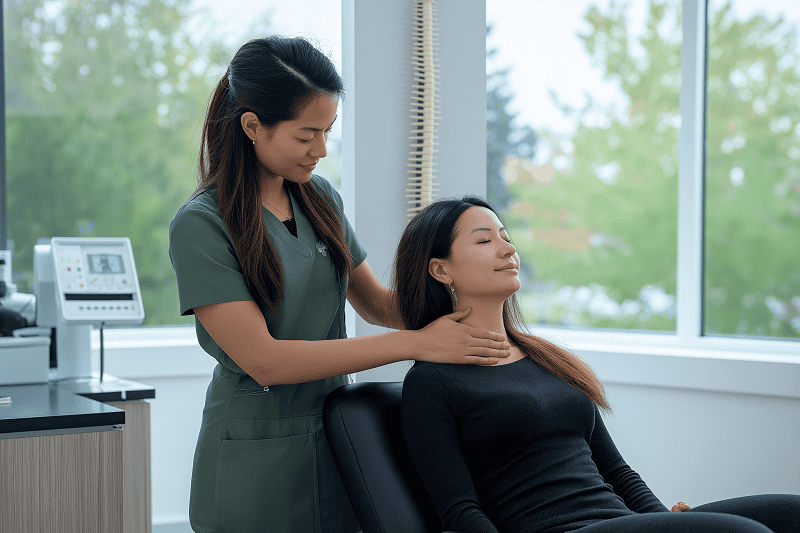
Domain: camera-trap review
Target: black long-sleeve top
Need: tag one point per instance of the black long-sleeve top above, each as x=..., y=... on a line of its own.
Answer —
x=512, y=448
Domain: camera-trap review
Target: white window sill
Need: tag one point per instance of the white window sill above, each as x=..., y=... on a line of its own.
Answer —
x=743, y=366
x=721, y=364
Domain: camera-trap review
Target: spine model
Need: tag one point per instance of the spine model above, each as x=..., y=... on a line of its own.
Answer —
x=424, y=108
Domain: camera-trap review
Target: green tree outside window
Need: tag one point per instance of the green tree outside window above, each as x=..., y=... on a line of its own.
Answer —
x=105, y=102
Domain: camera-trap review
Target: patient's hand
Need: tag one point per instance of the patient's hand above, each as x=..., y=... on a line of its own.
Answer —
x=680, y=507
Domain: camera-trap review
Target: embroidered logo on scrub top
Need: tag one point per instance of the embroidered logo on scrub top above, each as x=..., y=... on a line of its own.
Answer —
x=321, y=248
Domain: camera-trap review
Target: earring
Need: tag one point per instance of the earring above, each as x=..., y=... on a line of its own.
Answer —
x=254, y=142
x=453, y=293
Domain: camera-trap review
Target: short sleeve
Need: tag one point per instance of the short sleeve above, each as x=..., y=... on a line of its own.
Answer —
x=356, y=251
x=205, y=261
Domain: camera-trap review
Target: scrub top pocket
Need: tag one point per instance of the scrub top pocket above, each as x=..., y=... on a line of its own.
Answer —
x=277, y=474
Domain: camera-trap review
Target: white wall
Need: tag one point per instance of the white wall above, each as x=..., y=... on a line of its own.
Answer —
x=698, y=426
x=701, y=446
x=170, y=360
x=175, y=416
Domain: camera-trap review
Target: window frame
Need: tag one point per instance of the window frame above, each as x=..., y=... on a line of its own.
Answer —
x=691, y=172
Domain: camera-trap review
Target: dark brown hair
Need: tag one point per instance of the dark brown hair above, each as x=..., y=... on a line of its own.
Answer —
x=421, y=299
x=274, y=77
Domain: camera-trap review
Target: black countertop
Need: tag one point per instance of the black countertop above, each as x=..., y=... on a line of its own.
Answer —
x=67, y=404
x=111, y=389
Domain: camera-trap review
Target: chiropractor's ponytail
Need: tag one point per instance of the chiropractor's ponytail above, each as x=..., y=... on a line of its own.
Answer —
x=274, y=77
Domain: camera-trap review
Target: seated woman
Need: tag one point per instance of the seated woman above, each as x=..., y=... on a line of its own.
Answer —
x=520, y=447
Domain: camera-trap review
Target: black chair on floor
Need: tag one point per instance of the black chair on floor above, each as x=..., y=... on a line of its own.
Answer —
x=362, y=424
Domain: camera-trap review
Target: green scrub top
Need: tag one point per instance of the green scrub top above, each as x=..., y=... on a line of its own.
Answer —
x=262, y=462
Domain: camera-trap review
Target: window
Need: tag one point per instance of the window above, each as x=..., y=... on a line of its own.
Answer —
x=584, y=128
x=752, y=203
x=105, y=103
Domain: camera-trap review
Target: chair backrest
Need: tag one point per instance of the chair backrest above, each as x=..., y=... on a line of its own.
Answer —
x=362, y=424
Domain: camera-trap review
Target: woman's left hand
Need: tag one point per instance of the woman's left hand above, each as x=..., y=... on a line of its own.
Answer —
x=680, y=507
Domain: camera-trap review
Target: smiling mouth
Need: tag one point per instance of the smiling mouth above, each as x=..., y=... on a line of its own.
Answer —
x=507, y=268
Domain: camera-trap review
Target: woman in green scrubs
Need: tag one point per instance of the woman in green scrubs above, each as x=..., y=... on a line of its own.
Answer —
x=264, y=259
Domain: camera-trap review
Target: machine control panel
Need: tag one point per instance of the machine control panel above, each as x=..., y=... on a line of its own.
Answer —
x=96, y=280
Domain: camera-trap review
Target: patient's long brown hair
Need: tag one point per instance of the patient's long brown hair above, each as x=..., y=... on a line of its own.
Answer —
x=421, y=299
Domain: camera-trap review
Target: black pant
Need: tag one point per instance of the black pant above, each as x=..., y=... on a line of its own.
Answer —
x=768, y=513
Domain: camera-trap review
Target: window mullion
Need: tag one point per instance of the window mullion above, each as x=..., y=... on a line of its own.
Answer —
x=691, y=172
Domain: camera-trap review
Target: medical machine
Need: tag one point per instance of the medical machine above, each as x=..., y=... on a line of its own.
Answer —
x=80, y=282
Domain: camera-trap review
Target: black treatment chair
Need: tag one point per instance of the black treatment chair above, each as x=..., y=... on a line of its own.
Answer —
x=362, y=424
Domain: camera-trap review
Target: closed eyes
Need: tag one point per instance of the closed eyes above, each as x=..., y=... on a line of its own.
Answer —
x=306, y=141
x=484, y=242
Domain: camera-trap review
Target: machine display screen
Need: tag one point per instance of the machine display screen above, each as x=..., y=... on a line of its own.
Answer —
x=105, y=264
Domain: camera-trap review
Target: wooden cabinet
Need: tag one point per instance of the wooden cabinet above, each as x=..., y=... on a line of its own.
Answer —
x=75, y=457
x=62, y=481
x=136, y=466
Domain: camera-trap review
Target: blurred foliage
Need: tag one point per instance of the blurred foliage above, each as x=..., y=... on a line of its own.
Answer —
x=752, y=176
x=601, y=212
x=503, y=136
x=105, y=103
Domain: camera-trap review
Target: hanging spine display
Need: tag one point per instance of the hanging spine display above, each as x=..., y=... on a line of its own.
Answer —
x=424, y=108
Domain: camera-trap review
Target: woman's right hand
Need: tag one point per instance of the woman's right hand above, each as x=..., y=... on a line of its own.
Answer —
x=446, y=341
